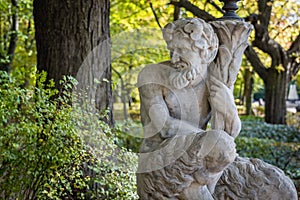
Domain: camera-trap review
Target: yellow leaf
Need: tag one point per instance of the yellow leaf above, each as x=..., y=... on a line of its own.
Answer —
x=280, y=68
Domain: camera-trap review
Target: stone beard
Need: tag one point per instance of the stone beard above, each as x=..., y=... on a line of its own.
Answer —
x=186, y=74
x=178, y=79
x=194, y=47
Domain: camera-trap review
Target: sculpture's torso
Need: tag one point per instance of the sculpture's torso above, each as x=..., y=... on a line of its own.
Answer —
x=189, y=104
x=193, y=105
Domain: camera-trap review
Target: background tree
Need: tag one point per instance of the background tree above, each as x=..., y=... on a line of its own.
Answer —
x=135, y=43
x=17, y=43
x=248, y=88
x=72, y=38
x=10, y=35
x=285, y=62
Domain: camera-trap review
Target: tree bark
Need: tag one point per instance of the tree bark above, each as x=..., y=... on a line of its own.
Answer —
x=123, y=94
x=72, y=38
x=275, y=95
x=177, y=12
x=275, y=82
x=193, y=9
x=248, y=87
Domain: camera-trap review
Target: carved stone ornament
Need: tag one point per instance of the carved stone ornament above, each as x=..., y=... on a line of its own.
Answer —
x=179, y=158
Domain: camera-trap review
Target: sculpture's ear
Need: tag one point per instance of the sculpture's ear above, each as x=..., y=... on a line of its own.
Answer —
x=210, y=51
x=214, y=48
x=211, y=55
x=168, y=31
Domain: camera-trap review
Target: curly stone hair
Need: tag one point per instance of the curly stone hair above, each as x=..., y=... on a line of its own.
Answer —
x=198, y=31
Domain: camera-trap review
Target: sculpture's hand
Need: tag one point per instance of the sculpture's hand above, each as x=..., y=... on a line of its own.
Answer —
x=222, y=103
x=221, y=98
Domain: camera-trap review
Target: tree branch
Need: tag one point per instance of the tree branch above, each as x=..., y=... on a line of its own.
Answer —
x=176, y=14
x=269, y=46
x=288, y=26
x=256, y=62
x=193, y=9
x=28, y=40
x=14, y=29
x=216, y=6
x=265, y=43
x=155, y=15
x=295, y=47
x=295, y=67
x=265, y=9
x=293, y=53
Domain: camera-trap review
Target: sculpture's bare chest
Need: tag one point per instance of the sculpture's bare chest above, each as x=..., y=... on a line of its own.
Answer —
x=189, y=104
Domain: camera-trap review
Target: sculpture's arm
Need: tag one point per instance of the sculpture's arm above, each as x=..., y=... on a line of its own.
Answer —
x=156, y=118
x=233, y=37
x=222, y=101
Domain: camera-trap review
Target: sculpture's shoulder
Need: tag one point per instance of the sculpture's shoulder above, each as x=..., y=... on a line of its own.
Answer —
x=155, y=74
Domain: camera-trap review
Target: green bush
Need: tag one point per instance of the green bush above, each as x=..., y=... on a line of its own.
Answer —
x=128, y=134
x=50, y=149
x=255, y=128
x=278, y=145
x=293, y=119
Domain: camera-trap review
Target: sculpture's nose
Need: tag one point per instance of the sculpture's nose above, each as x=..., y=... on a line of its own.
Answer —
x=175, y=57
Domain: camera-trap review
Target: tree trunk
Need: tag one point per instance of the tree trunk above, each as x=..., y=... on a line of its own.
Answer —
x=275, y=93
x=123, y=94
x=248, y=87
x=6, y=66
x=72, y=38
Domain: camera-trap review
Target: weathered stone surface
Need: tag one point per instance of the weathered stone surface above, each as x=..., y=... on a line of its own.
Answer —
x=192, y=175
x=247, y=179
x=179, y=158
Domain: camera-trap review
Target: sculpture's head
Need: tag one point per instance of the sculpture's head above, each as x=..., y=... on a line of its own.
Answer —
x=192, y=42
x=193, y=45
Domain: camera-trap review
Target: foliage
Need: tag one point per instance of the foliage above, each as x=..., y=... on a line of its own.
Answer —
x=136, y=41
x=50, y=149
x=135, y=14
x=128, y=134
x=24, y=59
x=278, y=145
x=254, y=127
x=293, y=119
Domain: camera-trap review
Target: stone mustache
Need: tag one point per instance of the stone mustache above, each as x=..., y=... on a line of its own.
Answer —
x=180, y=158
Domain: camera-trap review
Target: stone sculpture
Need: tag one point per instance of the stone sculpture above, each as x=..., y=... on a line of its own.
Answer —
x=179, y=158
x=247, y=179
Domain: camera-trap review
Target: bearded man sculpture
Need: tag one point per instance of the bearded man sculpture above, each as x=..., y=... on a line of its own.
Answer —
x=179, y=158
